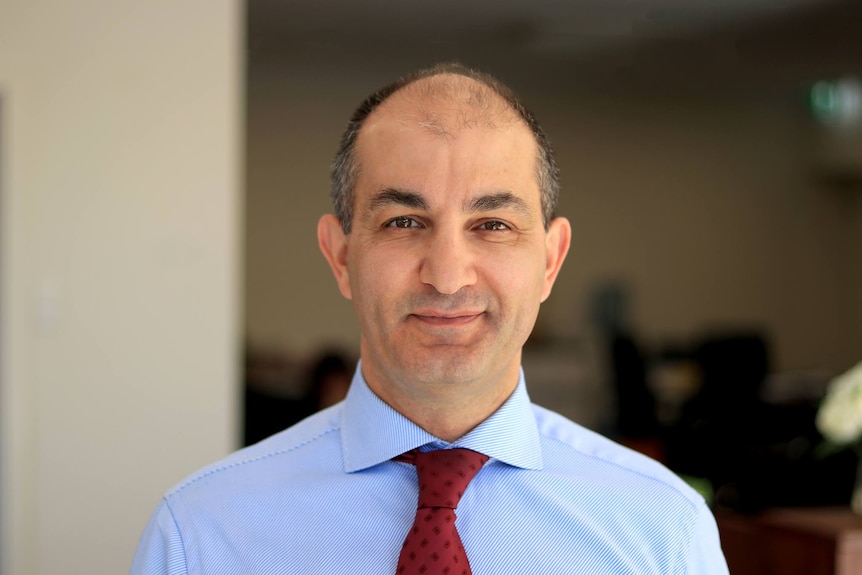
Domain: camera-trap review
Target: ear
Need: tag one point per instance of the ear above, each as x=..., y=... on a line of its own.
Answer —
x=333, y=243
x=557, y=241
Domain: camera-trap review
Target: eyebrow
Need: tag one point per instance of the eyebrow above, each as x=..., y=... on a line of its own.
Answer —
x=394, y=197
x=486, y=203
x=499, y=201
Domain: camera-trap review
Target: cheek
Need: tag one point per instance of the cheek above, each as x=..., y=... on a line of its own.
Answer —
x=387, y=269
x=374, y=285
x=359, y=285
x=521, y=279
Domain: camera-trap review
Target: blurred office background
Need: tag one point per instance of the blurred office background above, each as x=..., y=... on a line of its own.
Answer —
x=163, y=166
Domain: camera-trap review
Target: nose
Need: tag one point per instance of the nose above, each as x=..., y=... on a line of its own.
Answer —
x=448, y=262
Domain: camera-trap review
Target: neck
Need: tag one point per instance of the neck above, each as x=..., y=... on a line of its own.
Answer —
x=445, y=410
x=451, y=420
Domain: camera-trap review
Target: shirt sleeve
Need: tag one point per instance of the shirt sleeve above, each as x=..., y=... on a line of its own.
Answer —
x=705, y=554
x=160, y=550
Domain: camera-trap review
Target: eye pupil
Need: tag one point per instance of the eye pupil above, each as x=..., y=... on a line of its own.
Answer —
x=402, y=222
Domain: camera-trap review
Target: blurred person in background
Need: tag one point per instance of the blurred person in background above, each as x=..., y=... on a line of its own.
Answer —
x=329, y=379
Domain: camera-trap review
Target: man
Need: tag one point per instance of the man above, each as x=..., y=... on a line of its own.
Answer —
x=446, y=242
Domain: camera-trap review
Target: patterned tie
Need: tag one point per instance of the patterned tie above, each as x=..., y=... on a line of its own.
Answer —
x=432, y=546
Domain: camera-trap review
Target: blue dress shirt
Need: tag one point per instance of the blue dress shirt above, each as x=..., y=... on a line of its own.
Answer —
x=325, y=497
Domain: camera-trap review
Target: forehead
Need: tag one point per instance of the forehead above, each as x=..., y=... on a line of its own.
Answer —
x=446, y=126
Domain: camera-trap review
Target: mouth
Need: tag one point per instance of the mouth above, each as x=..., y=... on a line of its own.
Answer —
x=447, y=318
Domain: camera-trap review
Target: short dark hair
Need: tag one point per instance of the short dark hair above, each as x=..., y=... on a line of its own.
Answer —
x=345, y=166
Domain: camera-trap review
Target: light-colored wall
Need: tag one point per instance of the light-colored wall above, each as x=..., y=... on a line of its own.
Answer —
x=120, y=267
x=704, y=203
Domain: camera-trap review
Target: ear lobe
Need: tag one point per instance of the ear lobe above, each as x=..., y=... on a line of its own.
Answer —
x=333, y=245
x=558, y=239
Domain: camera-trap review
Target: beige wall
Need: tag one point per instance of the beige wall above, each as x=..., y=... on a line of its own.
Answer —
x=703, y=201
x=120, y=221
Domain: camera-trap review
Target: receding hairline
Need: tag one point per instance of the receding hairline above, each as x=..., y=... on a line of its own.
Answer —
x=464, y=101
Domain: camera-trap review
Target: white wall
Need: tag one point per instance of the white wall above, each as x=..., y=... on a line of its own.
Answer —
x=120, y=296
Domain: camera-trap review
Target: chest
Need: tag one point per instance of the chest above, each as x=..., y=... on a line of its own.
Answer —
x=529, y=524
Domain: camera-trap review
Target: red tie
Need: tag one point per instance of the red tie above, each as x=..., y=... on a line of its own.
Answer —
x=432, y=546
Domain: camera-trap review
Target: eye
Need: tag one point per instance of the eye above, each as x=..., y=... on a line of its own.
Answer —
x=494, y=226
x=402, y=222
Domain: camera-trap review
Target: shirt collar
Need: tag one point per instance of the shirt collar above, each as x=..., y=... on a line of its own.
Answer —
x=373, y=432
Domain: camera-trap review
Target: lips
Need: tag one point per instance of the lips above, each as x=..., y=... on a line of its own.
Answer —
x=447, y=318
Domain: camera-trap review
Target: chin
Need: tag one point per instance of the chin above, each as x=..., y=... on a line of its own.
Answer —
x=446, y=366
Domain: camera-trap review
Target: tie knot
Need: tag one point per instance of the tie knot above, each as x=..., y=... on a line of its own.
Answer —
x=444, y=475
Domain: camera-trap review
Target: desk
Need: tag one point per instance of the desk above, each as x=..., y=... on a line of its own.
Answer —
x=802, y=541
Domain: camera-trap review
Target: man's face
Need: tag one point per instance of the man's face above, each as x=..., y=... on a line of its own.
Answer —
x=448, y=258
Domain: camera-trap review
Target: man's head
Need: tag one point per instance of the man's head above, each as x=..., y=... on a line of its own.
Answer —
x=449, y=251
x=346, y=166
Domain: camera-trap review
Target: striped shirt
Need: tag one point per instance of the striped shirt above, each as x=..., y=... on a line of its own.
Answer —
x=325, y=497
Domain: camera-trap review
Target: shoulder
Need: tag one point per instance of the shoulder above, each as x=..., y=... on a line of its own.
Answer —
x=570, y=447
x=315, y=441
